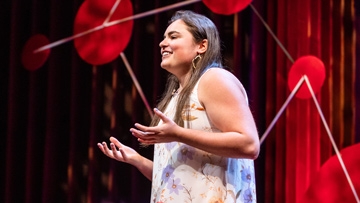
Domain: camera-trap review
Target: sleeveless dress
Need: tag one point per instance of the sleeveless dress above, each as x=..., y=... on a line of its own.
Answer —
x=184, y=174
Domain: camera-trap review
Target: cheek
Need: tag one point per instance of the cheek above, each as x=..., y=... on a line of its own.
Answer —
x=184, y=52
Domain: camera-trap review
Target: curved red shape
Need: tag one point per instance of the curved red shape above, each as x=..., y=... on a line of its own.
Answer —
x=104, y=45
x=313, y=68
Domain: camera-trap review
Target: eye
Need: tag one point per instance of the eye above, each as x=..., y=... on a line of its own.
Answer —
x=173, y=36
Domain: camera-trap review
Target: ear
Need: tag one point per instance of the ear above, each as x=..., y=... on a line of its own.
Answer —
x=202, y=46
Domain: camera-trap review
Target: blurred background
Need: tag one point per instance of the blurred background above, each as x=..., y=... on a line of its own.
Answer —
x=52, y=116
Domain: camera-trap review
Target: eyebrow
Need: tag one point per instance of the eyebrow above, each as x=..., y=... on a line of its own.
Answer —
x=171, y=32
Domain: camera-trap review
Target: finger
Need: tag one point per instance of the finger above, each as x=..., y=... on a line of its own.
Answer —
x=113, y=147
x=118, y=154
x=146, y=142
x=151, y=140
x=123, y=154
x=101, y=147
x=141, y=134
x=141, y=128
x=116, y=142
x=114, y=150
x=145, y=138
x=135, y=133
x=160, y=114
x=107, y=151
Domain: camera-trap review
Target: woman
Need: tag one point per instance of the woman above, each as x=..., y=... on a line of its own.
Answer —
x=204, y=133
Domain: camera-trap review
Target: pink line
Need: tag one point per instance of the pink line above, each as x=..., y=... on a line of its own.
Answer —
x=332, y=139
x=62, y=41
x=297, y=87
x=272, y=34
x=137, y=85
x=108, y=24
x=116, y=4
x=158, y=10
x=305, y=78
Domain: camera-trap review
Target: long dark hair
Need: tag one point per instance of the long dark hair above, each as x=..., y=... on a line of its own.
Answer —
x=201, y=28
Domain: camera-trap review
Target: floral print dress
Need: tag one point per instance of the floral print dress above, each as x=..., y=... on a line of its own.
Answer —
x=185, y=174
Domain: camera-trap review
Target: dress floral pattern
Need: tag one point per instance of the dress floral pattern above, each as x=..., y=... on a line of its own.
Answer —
x=186, y=174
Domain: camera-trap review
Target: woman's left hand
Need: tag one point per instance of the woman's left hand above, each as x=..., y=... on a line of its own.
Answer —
x=165, y=132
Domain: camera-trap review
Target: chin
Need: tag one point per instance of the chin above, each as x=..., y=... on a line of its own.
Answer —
x=164, y=65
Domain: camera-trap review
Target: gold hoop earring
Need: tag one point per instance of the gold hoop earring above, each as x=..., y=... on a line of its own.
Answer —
x=197, y=57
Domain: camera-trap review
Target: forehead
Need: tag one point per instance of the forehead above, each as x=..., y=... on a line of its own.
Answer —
x=177, y=26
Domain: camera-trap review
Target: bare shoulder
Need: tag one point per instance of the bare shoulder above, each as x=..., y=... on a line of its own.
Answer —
x=216, y=78
x=219, y=83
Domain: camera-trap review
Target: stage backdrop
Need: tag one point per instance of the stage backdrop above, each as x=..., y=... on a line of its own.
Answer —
x=51, y=118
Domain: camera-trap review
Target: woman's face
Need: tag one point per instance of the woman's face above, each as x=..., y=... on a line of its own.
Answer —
x=178, y=48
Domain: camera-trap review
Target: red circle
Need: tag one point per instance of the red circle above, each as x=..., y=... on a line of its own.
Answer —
x=103, y=45
x=226, y=7
x=313, y=68
x=329, y=183
x=33, y=61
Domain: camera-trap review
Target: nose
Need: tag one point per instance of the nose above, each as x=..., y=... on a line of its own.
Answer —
x=163, y=43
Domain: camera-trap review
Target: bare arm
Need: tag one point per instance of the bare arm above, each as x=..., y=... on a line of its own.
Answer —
x=123, y=153
x=221, y=95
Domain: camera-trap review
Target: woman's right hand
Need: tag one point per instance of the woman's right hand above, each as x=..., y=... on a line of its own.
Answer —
x=119, y=151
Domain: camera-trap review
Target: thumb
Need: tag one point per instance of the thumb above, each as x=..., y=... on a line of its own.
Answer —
x=116, y=142
x=160, y=114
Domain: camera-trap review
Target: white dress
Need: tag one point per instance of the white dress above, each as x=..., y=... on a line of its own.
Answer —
x=186, y=174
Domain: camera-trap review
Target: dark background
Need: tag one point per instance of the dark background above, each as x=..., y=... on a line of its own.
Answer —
x=52, y=118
